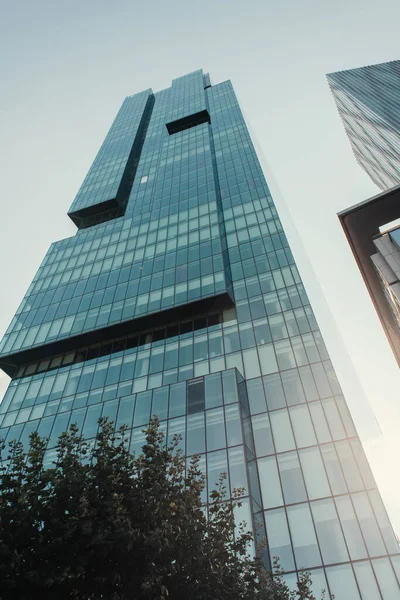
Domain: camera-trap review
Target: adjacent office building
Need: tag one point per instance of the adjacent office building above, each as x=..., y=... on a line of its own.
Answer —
x=179, y=296
x=368, y=100
x=372, y=230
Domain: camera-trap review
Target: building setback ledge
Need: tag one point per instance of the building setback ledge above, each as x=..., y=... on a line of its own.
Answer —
x=10, y=363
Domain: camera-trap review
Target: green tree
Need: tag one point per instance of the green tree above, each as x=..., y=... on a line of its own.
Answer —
x=104, y=524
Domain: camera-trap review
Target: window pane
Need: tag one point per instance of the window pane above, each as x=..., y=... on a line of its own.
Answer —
x=362, y=463
x=383, y=522
x=274, y=391
x=396, y=565
x=177, y=400
x=366, y=581
x=351, y=528
x=215, y=429
x=342, y=583
x=386, y=578
x=60, y=425
x=333, y=469
x=176, y=428
x=255, y=392
x=91, y=425
x=293, y=388
x=346, y=418
x=125, y=412
x=237, y=469
x=233, y=425
x=334, y=420
x=160, y=403
x=278, y=538
x=217, y=464
x=142, y=409
x=302, y=426
x=267, y=359
x=291, y=477
x=308, y=382
x=262, y=435
x=213, y=390
x=251, y=366
x=314, y=473
x=269, y=482
x=349, y=466
x=368, y=524
x=329, y=533
x=320, y=424
x=282, y=431
x=319, y=583
x=195, y=396
x=303, y=535
x=229, y=386
x=196, y=442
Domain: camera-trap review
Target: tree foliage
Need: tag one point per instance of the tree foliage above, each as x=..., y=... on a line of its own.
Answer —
x=104, y=524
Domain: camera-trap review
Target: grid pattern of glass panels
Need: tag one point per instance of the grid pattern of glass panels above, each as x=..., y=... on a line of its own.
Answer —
x=104, y=176
x=186, y=96
x=368, y=100
x=200, y=211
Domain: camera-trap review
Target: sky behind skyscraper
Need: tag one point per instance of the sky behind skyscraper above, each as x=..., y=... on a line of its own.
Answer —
x=64, y=74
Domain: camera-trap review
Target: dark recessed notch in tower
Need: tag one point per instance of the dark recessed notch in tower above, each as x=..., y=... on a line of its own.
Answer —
x=203, y=116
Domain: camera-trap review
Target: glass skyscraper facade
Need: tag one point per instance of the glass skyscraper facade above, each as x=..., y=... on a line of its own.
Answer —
x=368, y=100
x=179, y=296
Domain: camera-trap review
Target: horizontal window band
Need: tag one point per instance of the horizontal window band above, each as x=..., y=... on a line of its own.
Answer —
x=10, y=363
x=198, y=118
x=134, y=340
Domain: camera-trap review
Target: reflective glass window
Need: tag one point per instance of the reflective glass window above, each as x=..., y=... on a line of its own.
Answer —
x=262, y=435
x=269, y=482
x=333, y=469
x=274, y=391
x=314, y=473
x=302, y=426
x=213, y=390
x=195, y=396
x=291, y=478
x=303, y=536
x=386, y=578
x=237, y=469
x=196, y=440
x=368, y=524
x=233, y=425
x=282, y=431
x=215, y=429
x=366, y=581
x=342, y=582
x=278, y=538
x=351, y=528
x=125, y=412
x=330, y=536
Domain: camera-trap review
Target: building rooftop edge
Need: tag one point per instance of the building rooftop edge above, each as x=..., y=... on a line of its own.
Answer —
x=387, y=62
x=354, y=207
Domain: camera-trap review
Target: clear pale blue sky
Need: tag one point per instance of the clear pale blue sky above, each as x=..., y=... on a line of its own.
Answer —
x=65, y=69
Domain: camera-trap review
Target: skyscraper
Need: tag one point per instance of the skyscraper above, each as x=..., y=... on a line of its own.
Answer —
x=179, y=296
x=368, y=100
x=370, y=228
